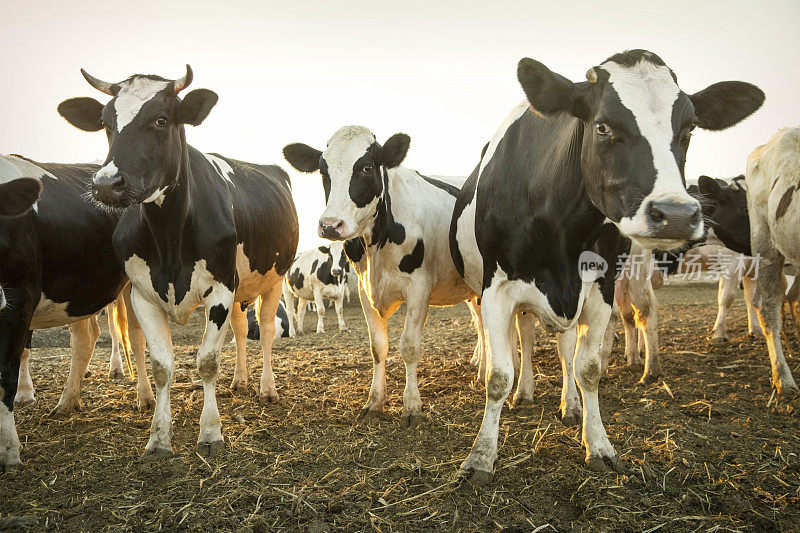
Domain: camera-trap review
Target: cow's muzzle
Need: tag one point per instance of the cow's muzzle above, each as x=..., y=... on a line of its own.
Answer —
x=669, y=219
x=331, y=228
x=109, y=190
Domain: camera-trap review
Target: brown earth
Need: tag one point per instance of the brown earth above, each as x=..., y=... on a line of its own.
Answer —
x=706, y=448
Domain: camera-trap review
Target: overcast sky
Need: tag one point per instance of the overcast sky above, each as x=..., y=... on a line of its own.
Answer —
x=443, y=72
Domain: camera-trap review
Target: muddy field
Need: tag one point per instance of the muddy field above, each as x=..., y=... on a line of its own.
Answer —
x=705, y=449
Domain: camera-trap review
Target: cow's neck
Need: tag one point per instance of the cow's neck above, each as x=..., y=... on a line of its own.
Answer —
x=167, y=221
x=385, y=229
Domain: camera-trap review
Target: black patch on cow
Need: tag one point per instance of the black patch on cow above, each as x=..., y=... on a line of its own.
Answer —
x=208, y=291
x=385, y=228
x=243, y=305
x=354, y=249
x=783, y=205
x=284, y=318
x=324, y=272
x=296, y=279
x=314, y=265
x=452, y=190
x=218, y=314
x=29, y=341
x=326, y=178
x=366, y=186
x=409, y=263
x=324, y=249
x=253, y=331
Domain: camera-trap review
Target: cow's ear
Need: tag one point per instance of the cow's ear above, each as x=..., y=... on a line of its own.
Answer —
x=550, y=93
x=84, y=113
x=726, y=103
x=302, y=157
x=394, y=150
x=708, y=187
x=196, y=105
x=18, y=196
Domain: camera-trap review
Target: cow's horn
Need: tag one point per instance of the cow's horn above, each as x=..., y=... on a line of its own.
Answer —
x=181, y=83
x=100, y=85
x=591, y=75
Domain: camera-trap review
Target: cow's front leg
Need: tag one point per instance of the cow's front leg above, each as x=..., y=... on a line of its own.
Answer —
x=218, y=304
x=115, y=367
x=571, y=409
x=239, y=324
x=339, y=305
x=379, y=346
x=410, y=344
x=83, y=337
x=288, y=300
x=526, y=330
x=25, y=391
x=726, y=294
x=649, y=327
x=608, y=341
x=302, y=306
x=749, y=285
x=320, y=303
x=12, y=344
x=155, y=327
x=498, y=313
x=144, y=392
x=600, y=454
x=266, y=307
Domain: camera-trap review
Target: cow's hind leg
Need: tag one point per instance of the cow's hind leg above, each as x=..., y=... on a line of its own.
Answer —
x=10, y=350
x=726, y=294
x=753, y=329
x=288, y=300
x=410, y=345
x=26, y=394
x=241, y=375
x=83, y=337
x=302, y=307
x=571, y=408
x=339, y=305
x=526, y=330
x=608, y=341
x=115, y=367
x=266, y=307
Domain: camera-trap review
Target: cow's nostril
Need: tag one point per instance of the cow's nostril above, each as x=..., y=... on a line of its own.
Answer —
x=118, y=183
x=656, y=215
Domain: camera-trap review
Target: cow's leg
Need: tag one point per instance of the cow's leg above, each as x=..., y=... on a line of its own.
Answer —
x=477, y=323
x=9, y=440
x=410, y=345
x=648, y=318
x=155, y=327
x=608, y=341
x=218, y=304
x=749, y=285
x=768, y=303
x=339, y=305
x=571, y=408
x=115, y=367
x=633, y=356
x=526, y=330
x=241, y=375
x=25, y=391
x=320, y=303
x=498, y=313
x=144, y=391
x=302, y=306
x=600, y=454
x=726, y=294
x=288, y=299
x=266, y=307
x=379, y=346
x=13, y=336
x=83, y=337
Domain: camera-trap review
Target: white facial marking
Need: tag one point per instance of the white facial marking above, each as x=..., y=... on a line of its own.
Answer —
x=157, y=197
x=221, y=166
x=132, y=96
x=346, y=147
x=106, y=171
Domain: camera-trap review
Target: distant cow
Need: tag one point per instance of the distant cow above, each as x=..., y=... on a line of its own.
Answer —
x=49, y=241
x=773, y=179
x=567, y=159
x=394, y=221
x=315, y=276
x=198, y=229
x=281, y=323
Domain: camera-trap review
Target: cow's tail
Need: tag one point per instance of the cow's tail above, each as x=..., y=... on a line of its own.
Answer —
x=120, y=317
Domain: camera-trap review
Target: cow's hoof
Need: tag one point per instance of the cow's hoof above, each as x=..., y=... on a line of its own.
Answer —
x=87, y=373
x=268, y=397
x=368, y=415
x=207, y=449
x=116, y=373
x=598, y=463
x=475, y=477
x=521, y=401
x=411, y=421
x=239, y=384
x=61, y=411
x=146, y=403
x=572, y=419
x=24, y=399
x=156, y=454
x=649, y=379
x=787, y=390
x=604, y=379
x=718, y=340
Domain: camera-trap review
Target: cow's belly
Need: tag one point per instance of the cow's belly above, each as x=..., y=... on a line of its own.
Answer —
x=450, y=291
x=50, y=314
x=251, y=282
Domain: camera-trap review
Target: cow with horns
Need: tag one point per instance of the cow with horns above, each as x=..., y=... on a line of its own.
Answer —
x=197, y=229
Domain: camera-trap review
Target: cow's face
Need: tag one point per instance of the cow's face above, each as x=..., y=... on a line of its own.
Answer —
x=144, y=122
x=352, y=168
x=16, y=198
x=726, y=211
x=637, y=124
x=339, y=264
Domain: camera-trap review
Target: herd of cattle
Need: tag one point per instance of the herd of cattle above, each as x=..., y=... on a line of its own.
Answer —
x=590, y=167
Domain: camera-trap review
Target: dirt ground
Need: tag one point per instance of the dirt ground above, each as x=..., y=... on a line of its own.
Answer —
x=706, y=449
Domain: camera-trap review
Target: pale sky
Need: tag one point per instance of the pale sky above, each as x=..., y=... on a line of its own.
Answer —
x=443, y=72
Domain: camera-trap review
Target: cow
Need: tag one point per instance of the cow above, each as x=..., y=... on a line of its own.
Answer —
x=537, y=224
x=394, y=222
x=58, y=268
x=197, y=229
x=282, y=324
x=773, y=177
x=316, y=275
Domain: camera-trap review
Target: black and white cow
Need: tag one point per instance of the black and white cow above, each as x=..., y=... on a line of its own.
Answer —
x=282, y=324
x=315, y=276
x=773, y=174
x=57, y=267
x=569, y=157
x=197, y=229
x=394, y=221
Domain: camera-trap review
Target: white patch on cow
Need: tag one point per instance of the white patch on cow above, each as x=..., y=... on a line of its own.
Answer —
x=344, y=148
x=49, y=314
x=157, y=197
x=9, y=441
x=515, y=115
x=251, y=282
x=649, y=92
x=133, y=94
x=106, y=171
x=222, y=167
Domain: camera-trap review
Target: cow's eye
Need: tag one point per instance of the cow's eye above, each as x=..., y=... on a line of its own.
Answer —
x=603, y=129
x=367, y=169
x=161, y=122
